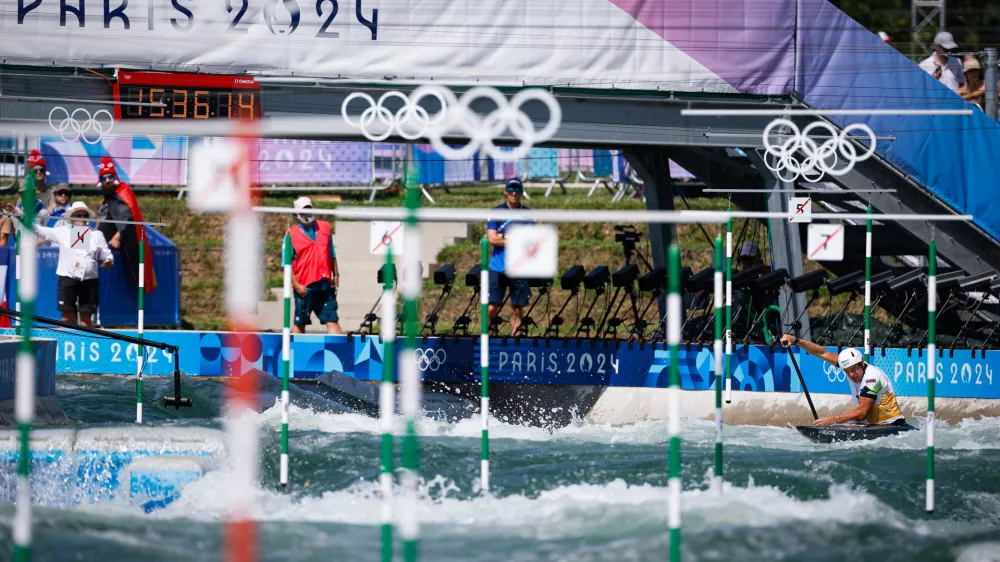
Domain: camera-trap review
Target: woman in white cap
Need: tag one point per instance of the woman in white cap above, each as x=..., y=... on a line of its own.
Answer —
x=872, y=390
x=947, y=69
x=82, y=249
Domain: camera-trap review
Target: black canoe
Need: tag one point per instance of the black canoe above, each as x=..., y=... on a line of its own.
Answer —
x=848, y=432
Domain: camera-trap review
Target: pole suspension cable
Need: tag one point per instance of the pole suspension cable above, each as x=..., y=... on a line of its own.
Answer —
x=581, y=215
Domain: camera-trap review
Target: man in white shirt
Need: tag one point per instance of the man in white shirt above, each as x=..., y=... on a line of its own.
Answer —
x=948, y=70
x=82, y=249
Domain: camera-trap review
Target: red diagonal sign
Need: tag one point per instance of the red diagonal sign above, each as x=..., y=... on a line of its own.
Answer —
x=386, y=238
x=80, y=237
x=799, y=209
x=825, y=242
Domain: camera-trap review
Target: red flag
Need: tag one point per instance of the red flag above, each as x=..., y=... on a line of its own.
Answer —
x=125, y=193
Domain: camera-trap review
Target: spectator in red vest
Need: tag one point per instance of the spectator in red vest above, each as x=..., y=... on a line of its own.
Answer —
x=120, y=204
x=315, y=277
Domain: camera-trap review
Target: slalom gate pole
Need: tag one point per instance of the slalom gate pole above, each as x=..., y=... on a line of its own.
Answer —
x=729, y=309
x=410, y=380
x=868, y=284
x=243, y=236
x=140, y=351
x=674, y=399
x=17, y=277
x=484, y=360
x=24, y=389
x=719, y=373
x=286, y=352
x=387, y=401
x=931, y=366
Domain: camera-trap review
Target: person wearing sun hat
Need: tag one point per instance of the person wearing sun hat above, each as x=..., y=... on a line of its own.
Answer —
x=82, y=250
x=120, y=204
x=315, y=275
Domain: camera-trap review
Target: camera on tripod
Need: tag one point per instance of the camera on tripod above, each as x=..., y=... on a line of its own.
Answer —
x=627, y=234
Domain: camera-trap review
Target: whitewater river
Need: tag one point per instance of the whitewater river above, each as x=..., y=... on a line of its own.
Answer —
x=580, y=493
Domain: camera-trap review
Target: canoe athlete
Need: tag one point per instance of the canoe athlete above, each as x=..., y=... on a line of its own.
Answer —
x=870, y=386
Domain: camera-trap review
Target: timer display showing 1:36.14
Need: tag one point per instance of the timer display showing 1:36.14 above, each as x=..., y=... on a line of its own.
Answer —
x=190, y=103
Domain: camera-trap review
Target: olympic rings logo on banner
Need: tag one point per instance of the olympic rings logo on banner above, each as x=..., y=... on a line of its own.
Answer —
x=800, y=155
x=430, y=359
x=833, y=373
x=456, y=118
x=81, y=125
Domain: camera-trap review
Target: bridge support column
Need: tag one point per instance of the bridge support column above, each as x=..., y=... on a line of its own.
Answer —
x=653, y=168
x=786, y=245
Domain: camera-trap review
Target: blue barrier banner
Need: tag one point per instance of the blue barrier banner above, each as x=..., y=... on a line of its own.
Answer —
x=962, y=374
x=45, y=362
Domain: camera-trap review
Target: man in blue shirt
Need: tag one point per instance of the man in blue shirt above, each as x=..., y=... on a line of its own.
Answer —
x=496, y=234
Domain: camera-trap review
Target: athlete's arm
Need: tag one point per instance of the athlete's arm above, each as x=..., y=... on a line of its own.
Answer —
x=811, y=348
x=859, y=413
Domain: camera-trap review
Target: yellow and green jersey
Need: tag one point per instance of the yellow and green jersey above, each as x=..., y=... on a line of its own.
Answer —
x=876, y=385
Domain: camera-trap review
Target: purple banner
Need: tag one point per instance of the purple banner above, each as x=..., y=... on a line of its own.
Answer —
x=295, y=162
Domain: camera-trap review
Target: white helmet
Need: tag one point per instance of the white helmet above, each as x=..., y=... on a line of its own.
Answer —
x=849, y=358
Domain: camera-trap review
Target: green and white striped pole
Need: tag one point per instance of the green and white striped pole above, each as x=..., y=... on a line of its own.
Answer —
x=387, y=402
x=931, y=367
x=410, y=381
x=868, y=285
x=24, y=389
x=729, y=309
x=17, y=277
x=140, y=349
x=484, y=360
x=286, y=352
x=674, y=400
x=717, y=355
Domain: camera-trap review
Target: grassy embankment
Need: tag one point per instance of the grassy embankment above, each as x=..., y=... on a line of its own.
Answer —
x=200, y=239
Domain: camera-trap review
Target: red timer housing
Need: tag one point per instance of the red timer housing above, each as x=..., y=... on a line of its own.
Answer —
x=187, y=96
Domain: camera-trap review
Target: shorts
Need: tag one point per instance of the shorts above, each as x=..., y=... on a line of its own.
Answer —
x=321, y=302
x=520, y=293
x=76, y=295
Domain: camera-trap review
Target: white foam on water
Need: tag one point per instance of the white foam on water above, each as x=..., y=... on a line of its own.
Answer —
x=608, y=510
x=971, y=434
x=987, y=551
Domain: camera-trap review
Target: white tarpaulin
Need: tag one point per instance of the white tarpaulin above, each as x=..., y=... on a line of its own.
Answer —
x=586, y=43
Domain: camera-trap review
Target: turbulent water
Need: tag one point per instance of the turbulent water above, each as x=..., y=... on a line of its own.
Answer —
x=580, y=493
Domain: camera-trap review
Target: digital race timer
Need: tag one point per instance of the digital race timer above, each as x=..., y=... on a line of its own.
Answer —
x=187, y=96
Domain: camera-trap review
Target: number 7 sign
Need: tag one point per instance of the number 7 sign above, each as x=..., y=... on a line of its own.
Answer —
x=825, y=242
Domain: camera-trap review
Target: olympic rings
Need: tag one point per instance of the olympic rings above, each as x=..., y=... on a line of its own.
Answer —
x=71, y=128
x=456, y=118
x=430, y=359
x=800, y=155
